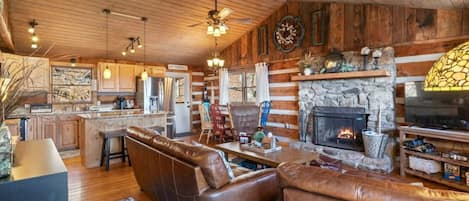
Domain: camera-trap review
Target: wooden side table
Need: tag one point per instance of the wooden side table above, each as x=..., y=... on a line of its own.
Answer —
x=447, y=135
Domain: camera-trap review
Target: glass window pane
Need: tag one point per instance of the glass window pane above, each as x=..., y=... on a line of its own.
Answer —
x=250, y=95
x=236, y=80
x=250, y=79
x=180, y=88
x=236, y=95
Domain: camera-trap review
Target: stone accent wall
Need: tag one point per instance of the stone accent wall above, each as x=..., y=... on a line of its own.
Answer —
x=368, y=93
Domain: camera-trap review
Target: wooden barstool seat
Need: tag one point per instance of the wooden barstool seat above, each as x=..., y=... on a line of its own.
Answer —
x=106, y=148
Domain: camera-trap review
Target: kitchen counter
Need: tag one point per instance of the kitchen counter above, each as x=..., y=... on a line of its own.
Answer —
x=29, y=115
x=116, y=114
x=91, y=124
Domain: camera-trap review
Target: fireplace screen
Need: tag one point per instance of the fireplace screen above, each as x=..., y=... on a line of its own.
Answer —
x=339, y=127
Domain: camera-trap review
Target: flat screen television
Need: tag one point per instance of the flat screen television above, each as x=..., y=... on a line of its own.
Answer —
x=445, y=110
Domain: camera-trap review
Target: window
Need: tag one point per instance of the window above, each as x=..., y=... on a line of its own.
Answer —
x=242, y=87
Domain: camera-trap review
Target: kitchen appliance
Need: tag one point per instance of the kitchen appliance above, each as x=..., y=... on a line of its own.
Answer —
x=155, y=94
x=121, y=103
x=41, y=108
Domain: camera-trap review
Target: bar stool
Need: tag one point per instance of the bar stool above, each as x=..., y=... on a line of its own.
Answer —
x=106, y=148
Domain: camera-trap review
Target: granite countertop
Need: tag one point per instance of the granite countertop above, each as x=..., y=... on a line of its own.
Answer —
x=29, y=115
x=118, y=114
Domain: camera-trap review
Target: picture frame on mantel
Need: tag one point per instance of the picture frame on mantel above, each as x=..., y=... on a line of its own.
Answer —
x=263, y=40
x=72, y=84
x=319, y=27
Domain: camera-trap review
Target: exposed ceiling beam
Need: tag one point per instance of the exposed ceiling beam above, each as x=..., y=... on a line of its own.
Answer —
x=5, y=33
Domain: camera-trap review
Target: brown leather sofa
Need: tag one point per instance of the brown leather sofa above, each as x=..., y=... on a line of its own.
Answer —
x=307, y=183
x=169, y=170
x=244, y=118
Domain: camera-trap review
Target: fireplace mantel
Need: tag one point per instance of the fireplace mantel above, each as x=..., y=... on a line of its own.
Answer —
x=347, y=75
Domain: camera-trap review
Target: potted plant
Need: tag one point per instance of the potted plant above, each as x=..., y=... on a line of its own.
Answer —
x=13, y=75
x=310, y=64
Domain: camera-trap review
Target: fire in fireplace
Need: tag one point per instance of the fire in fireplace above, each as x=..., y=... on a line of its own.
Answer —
x=339, y=127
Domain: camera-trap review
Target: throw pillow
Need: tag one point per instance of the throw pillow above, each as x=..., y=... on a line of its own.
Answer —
x=222, y=155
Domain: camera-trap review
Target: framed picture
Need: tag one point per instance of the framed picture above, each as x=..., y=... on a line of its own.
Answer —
x=319, y=27
x=262, y=40
x=71, y=84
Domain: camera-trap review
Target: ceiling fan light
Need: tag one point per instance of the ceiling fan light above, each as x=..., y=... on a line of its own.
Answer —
x=210, y=30
x=107, y=73
x=132, y=50
x=223, y=29
x=210, y=63
x=216, y=61
x=216, y=32
x=34, y=45
x=221, y=63
x=139, y=45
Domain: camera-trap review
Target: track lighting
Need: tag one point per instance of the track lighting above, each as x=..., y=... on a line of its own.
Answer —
x=32, y=30
x=124, y=53
x=131, y=47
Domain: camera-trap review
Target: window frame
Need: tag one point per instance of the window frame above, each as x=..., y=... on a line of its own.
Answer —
x=244, y=86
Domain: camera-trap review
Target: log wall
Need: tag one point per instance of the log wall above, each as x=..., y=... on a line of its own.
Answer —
x=419, y=37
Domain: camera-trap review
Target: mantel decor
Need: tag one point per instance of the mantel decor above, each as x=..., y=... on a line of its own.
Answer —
x=346, y=75
x=289, y=33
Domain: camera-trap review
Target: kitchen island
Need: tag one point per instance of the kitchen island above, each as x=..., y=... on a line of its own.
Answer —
x=93, y=123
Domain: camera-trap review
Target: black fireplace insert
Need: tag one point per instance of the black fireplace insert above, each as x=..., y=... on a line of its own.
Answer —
x=339, y=127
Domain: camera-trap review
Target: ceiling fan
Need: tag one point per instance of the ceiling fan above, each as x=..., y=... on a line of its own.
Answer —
x=217, y=20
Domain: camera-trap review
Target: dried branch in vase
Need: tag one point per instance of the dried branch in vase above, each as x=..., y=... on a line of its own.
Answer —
x=13, y=77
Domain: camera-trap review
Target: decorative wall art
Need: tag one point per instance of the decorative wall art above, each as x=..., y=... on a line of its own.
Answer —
x=319, y=27
x=289, y=33
x=262, y=40
x=71, y=85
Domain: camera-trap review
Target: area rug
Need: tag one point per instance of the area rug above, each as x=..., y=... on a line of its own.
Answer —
x=70, y=154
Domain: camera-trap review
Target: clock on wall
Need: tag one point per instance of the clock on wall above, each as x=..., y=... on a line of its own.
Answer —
x=289, y=33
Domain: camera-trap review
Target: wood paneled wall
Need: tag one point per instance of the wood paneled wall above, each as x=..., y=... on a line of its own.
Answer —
x=419, y=37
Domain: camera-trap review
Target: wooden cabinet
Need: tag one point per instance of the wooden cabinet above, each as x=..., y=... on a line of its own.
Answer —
x=68, y=132
x=127, y=78
x=138, y=71
x=13, y=126
x=156, y=71
x=62, y=129
x=49, y=129
x=108, y=85
x=40, y=76
x=123, y=77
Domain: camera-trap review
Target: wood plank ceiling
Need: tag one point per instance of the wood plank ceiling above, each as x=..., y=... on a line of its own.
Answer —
x=77, y=27
x=435, y=4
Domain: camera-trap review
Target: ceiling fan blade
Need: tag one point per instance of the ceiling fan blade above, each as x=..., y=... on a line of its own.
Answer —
x=225, y=12
x=196, y=24
x=241, y=20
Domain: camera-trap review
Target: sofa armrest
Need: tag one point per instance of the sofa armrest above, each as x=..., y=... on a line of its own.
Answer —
x=260, y=185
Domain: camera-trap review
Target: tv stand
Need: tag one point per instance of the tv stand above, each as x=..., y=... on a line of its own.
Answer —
x=407, y=132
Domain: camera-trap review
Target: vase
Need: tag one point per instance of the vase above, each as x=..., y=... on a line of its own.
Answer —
x=6, y=154
x=307, y=71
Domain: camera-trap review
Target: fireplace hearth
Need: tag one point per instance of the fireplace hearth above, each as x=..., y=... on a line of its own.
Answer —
x=338, y=127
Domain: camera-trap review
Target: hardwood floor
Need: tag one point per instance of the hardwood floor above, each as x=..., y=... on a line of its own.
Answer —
x=96, y=184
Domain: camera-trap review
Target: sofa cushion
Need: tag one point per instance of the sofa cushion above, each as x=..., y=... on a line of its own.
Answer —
x=222, y=155
x=238, y=170
x=208, y=160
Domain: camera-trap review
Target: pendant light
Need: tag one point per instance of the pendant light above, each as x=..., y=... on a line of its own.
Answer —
x=107, y=72
x=144, y=75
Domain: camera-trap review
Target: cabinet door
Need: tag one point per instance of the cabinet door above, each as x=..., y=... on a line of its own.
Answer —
x=13, y=126
x=127, y=78
x=108, y=85
x=49, y=129
x=157, y=71
x=138, y=71
x=39, y=80
x=69, y=134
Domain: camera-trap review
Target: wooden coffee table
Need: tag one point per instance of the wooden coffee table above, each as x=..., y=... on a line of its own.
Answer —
x=286, y=154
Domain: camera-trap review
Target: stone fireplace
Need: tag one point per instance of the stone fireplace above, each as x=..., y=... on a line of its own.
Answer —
x=358, y=98
x=338, y=127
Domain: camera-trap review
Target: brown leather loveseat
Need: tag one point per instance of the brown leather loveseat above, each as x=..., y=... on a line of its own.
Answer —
x=304, y=183
x=168, y=170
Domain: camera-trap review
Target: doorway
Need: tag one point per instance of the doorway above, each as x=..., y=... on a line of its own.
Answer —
x=182, y=105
